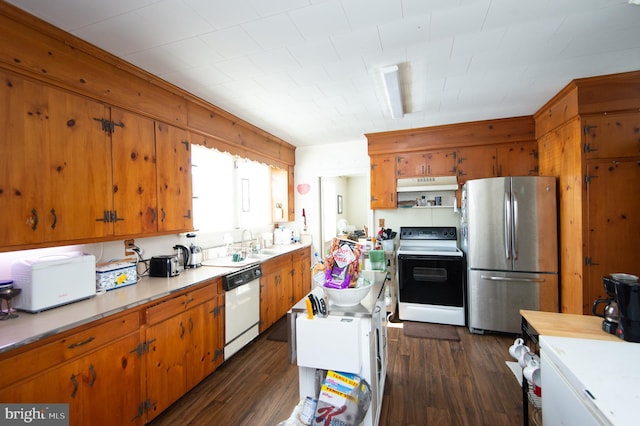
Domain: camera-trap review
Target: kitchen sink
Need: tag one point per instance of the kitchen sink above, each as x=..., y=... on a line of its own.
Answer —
x=228, y=262
x=270, y=252
x=260, y=256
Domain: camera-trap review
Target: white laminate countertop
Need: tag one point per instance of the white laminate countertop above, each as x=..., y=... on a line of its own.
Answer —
x=607, y=371
x=28, y=328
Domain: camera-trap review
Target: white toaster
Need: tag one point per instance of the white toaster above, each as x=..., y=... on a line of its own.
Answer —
x=53, y=280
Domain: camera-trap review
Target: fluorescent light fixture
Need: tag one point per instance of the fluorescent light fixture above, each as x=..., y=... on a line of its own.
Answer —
x=391, y=80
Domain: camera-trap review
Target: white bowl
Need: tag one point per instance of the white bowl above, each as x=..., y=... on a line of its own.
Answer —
x=347, y=296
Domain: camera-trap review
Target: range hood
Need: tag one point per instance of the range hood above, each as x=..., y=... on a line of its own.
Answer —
x=426, y=184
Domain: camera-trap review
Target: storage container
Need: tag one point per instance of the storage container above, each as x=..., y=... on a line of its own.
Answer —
x=115, y=275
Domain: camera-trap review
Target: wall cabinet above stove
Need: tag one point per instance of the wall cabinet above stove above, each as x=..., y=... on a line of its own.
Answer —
x=467, y=150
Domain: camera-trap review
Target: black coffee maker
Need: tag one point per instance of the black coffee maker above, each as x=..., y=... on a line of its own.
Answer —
x=610, y=313
x=627, y=290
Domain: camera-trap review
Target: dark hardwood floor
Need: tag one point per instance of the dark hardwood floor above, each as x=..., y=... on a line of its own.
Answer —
x=429, y=382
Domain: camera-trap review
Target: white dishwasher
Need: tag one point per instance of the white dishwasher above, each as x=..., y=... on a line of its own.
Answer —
x=242, y=308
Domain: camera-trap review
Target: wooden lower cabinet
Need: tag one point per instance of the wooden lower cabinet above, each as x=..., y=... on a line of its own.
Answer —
x=98, y=385
x=186, y=344
x=301, y=274
x=276, y=289
x=285, y=280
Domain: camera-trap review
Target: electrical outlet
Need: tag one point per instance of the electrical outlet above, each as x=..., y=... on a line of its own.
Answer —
x=128, y=244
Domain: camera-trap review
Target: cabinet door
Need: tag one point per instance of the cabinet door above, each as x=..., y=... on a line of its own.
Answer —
x=441, y=163
x=412, y=164
x=201, y=344
x=134, y=173
x=519, y=159
x=612, y=222
x=275, y=282
x=285, y=288
x=56, y=165
x=78, y=173
x=476, y=163
x=612, y=136
x=22, y=155
x=301, y=274
x=59, y=385
x=104, y=384
x=165, y=371
x=111, y=384
x=383, y=182
x=173, y=163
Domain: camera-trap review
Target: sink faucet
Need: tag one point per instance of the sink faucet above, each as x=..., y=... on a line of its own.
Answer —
x=244, y=231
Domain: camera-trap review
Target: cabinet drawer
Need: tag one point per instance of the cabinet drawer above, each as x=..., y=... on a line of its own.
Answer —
x=179, y=304
x=64, y=349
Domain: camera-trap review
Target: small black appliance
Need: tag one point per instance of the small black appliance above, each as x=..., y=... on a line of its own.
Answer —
x=628, y=299
x=164, y=266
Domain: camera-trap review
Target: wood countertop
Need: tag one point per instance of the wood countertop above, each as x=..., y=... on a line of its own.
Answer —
x=567, y=325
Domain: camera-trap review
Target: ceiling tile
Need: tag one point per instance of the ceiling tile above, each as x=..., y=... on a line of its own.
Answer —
x=404, y=32
x=314, y=52
x=231, y=42
x=224, y=14
x=320, y=20
x=371, y=13
x=274, y=31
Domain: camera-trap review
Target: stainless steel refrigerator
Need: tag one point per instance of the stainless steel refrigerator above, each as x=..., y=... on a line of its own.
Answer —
x=509, y=234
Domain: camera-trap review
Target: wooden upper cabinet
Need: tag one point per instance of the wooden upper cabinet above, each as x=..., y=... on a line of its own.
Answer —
x=79, y=169
x=134, y=173
x=476, y=163
x=383, y=182
x=430, y=163
x=55, y=182
x=441, y=163
x=23, y=154
x=173, y=168
x=411, y=164
x=519, y=159
x=600, y=132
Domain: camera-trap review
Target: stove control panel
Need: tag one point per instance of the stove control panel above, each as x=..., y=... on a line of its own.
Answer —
x=428, y=233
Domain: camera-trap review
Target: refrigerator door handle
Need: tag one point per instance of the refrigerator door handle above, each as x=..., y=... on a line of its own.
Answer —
x=507, y=225
x=523, y=280
x=514, y=241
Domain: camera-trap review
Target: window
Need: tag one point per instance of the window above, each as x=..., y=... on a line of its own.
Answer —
x=228, y=192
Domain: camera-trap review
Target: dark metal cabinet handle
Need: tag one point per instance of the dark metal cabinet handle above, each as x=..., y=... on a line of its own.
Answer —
x=190, y=325
x=55, y=218
x=84, y=342
x=92, y=370
x=75, y=385
x=181, y=330
x=34, y=213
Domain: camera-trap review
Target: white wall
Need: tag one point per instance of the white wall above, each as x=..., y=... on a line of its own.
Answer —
x=352, y=159
x=341, y=159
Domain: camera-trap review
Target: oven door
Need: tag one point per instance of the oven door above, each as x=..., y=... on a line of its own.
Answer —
x=431, y=280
